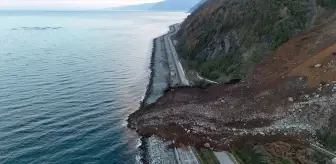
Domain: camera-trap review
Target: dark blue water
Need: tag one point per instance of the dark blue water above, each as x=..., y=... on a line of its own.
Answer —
x=68, y=81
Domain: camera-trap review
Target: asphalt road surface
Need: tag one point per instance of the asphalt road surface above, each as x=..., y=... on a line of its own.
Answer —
x=224, y=158
x=178, y=78
x=172, y=55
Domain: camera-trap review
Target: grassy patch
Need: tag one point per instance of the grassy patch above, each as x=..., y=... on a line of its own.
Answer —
x=207, y=156
x=284, y=161
x=321, y=158
x=327, y=138
x=247, y=155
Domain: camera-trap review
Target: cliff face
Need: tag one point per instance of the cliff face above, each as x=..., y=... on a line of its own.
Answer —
x=224, y=39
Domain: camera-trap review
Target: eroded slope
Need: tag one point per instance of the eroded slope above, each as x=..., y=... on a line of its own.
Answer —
x=280, y=100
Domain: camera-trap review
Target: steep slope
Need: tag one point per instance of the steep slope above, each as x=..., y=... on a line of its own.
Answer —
x=282, y=99
x=224, y=39
x=286, y=53
x=198, y=5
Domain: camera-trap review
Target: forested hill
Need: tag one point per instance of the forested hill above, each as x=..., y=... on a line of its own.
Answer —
x=224, y=39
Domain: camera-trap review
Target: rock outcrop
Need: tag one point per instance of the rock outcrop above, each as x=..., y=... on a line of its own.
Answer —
x=226, y=38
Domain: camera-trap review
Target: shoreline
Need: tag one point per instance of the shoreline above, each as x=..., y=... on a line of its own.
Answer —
x=151, y=75
x=154, y=91
x=164, y=69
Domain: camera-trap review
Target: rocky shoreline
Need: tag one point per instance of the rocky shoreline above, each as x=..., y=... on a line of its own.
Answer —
x=155, y=150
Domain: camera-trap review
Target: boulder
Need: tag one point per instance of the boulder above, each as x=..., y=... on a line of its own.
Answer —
x=207, y=145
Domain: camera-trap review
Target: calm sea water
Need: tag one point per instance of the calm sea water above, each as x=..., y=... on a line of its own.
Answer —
x=68, y=81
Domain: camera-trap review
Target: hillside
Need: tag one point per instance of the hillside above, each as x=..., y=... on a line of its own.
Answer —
x=198, y=5
x=224, y=39
x=287, y=102
x=285, y=52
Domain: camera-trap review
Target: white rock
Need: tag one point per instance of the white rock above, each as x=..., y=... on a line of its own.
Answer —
x=306, y=96
x=207, y=145
x=318, y=65
x=291, y=99
x=333, y=161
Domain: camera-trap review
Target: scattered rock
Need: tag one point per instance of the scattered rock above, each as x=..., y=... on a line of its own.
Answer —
x=207, y=145
x=291, y=99
x=318, y=65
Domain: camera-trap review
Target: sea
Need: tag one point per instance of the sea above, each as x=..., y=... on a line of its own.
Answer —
x=69, y=80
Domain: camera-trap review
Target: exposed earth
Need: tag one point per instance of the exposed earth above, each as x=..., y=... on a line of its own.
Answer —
x=287, y=97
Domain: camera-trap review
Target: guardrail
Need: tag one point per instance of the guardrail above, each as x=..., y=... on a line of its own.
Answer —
x=202, y=78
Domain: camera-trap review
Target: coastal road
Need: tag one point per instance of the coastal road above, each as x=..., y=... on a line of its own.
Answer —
x=224, y=158
x=185, y=156
x=178, y=78
x=172, y=54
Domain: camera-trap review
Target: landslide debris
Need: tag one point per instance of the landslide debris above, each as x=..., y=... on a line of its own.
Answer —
x=288, y=92
x=281, y=100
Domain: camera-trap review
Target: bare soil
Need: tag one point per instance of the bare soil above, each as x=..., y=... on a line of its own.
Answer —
x=285, y=98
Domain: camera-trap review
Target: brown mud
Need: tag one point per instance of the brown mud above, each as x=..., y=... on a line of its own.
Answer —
x=286, y=97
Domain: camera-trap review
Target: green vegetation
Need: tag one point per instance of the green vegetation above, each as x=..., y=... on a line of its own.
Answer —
x=253, y=29
x=247, y=155
x=213, y=69
x=321, y=158
x=284, y=161
x=327, y=138
x=207, y=156
x=327, y=3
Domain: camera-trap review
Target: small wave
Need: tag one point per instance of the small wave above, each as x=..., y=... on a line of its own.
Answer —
x=139, y=142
